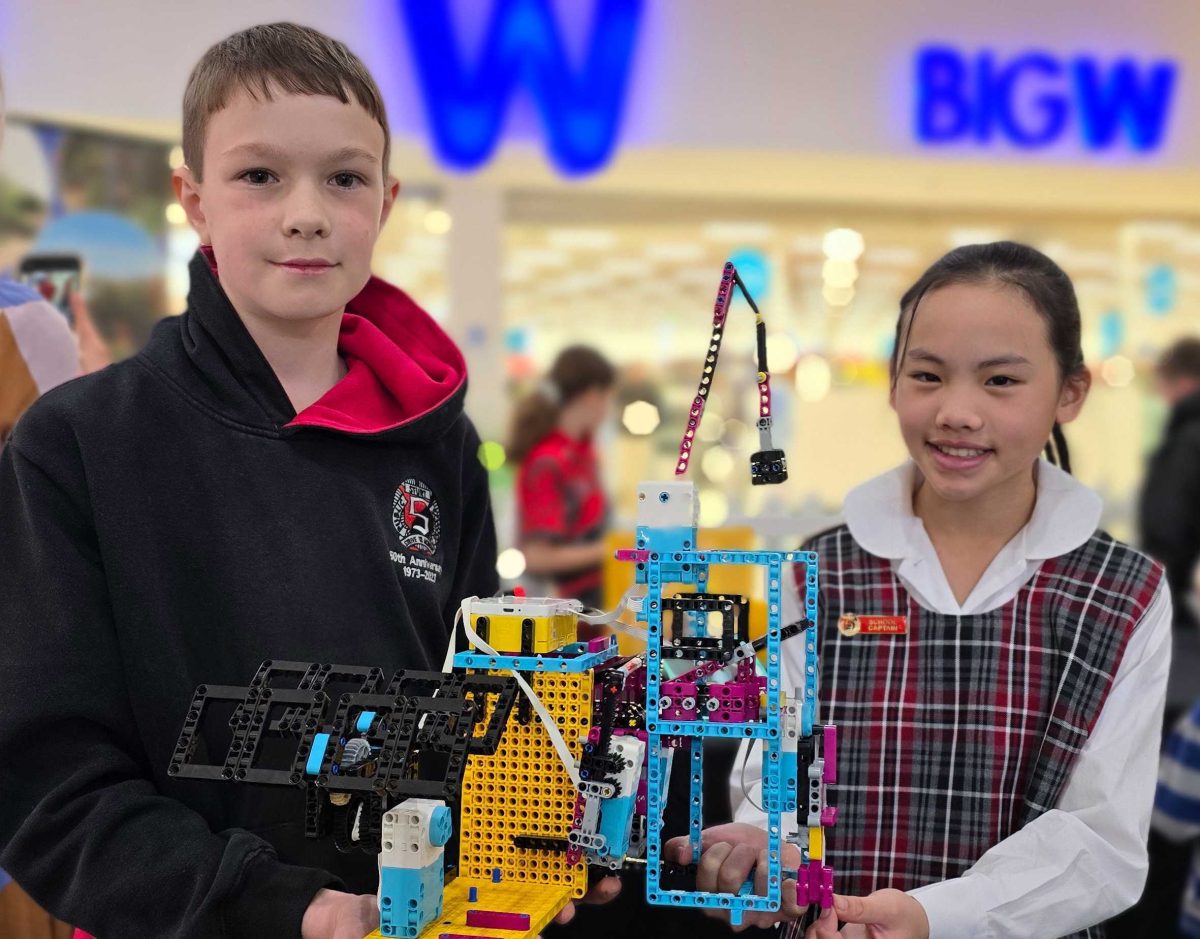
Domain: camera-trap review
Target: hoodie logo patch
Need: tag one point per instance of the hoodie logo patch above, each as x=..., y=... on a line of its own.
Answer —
x=417, y=519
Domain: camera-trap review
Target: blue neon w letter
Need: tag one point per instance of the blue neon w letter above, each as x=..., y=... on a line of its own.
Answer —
x=581, y=110
x=1124, y=97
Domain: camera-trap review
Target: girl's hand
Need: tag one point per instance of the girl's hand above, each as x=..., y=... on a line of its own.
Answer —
x=885, y=914
x=826, y=927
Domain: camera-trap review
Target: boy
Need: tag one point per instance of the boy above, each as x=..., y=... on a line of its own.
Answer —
x=284, y=471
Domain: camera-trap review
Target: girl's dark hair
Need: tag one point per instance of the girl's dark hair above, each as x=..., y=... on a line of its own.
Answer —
x=1007, y=263
x=576, y=370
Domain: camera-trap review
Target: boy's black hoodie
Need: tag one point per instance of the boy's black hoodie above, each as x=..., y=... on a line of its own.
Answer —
x=171, y=521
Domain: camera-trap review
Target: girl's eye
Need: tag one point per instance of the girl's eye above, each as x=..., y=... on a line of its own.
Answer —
x=257, y=177
x=1001, y=381
x=925, y=377
x=348, y=180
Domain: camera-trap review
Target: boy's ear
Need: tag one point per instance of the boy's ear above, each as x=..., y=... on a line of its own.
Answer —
x=391, y=189
x=187, y=191
x=1072, y=396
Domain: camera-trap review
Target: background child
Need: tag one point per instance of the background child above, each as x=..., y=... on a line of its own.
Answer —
x=1169, y=512
x=998, y=743
x=561, y=507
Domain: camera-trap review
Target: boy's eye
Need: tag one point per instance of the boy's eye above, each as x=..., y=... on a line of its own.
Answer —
x=1001, y=381
x=257, y=177
x=924, y=377
x=347, y=180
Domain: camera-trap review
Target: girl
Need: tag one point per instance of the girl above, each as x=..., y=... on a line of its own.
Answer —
x=561, y=507
x=999, y=725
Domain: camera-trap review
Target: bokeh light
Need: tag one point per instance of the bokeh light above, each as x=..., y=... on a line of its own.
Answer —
x=640, y=418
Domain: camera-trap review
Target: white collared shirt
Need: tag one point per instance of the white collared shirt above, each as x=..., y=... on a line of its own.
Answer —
x=1084, y=860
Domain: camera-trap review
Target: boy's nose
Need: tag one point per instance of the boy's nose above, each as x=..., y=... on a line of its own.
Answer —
x=306, y=216
x=307, y=226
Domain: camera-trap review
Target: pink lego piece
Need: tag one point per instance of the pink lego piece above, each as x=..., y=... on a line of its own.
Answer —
x=494, y=919
x=826, y=887
x=738, y=702
x=677, y=691
x=764, y=397
x=599, y=644
x=814, y=884
x=829, y=816
x=802, y=893
x=829, y=752
x=632, y=554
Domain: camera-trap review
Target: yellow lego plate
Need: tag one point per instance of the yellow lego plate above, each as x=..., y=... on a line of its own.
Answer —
x=541, y=903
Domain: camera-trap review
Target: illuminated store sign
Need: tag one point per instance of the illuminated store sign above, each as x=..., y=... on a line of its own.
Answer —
x=1036, y=99
x=466, y=103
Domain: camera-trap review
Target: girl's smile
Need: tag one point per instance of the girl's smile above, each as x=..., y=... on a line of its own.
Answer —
x=958, y=456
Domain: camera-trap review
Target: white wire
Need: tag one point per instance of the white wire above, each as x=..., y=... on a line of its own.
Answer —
x=462, y=616
x=746, y=792
x=448, y=661
x=613, y=616
x=556, y=737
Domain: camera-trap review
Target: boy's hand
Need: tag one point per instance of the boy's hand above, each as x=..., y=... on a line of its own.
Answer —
x=885, y=914
x=604, y=891
x=336, y=915
x=729, y=854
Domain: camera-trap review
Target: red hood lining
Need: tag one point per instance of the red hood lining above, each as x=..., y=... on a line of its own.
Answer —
x=401, y=365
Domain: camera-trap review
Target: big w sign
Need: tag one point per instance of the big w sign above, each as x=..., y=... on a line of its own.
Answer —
x=1036, y=99
x=466, y=102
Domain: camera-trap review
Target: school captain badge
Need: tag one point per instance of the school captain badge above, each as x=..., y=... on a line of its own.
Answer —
x=851, y=624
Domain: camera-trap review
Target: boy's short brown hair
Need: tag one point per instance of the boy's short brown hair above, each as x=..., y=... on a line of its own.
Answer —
x=291, y=58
